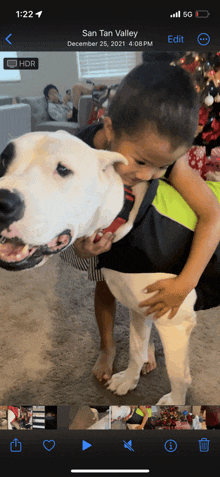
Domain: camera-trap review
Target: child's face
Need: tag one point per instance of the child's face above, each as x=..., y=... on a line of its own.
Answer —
x=148, y=156
x=53, y=95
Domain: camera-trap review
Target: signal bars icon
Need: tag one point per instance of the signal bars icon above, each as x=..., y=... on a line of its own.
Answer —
x=176, y=15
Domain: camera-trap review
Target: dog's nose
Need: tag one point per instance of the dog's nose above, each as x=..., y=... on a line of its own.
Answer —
x=11, y=208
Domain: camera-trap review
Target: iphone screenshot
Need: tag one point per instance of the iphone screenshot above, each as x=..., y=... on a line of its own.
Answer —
x=109, y=240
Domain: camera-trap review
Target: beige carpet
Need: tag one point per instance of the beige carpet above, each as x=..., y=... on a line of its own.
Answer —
x=49, y=344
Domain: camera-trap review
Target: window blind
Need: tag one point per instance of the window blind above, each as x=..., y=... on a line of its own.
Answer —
x=105, y=64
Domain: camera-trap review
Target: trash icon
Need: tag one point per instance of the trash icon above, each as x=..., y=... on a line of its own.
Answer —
x=204, y=445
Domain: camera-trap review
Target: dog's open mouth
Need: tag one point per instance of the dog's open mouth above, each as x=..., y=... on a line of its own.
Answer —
x=17, y=255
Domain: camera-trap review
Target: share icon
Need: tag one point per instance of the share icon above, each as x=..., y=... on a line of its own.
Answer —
x=128, y=445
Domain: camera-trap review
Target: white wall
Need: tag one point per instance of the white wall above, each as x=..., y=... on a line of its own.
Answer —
x=58, y=68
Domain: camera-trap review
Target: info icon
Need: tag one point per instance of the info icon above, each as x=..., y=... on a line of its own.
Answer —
x=170, y=445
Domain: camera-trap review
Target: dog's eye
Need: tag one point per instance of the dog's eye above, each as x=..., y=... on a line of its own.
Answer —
x=63, y=171
x=6, y=158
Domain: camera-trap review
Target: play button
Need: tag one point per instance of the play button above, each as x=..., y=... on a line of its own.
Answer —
x=85, y=445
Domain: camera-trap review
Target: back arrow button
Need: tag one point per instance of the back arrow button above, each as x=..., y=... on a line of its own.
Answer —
x=7, y=39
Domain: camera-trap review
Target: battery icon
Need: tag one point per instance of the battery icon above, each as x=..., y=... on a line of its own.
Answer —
x=202, y=13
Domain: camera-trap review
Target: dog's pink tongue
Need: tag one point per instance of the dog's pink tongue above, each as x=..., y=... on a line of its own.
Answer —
x=12, y=253
x=9, y=248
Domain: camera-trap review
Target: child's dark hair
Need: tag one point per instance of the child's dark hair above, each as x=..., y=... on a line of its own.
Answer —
x=164, y=56
x=160, y=95
x=47, y=89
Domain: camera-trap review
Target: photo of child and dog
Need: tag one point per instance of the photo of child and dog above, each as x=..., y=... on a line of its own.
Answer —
x=109, y=205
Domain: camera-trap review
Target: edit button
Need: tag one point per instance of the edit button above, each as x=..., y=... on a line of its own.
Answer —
x=175, y=39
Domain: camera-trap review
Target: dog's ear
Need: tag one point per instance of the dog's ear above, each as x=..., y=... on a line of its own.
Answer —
x=107, y=158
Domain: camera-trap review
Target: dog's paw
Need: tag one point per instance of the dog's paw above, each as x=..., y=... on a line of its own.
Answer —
x=121, y=383
x=169, y=399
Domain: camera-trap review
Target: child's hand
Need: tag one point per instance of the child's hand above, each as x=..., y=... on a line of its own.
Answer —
x=85, y=247
x=171, y=292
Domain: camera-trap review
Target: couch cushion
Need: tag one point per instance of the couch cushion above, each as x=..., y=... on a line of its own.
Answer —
x=38, y=106
x=5, y=100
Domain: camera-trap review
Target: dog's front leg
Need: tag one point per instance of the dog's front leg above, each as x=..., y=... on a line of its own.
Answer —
x=140, y=327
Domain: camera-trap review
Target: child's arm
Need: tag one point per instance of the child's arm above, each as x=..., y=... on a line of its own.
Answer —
x=173, y=291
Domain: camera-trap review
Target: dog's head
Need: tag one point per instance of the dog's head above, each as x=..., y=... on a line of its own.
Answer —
x=54, y=188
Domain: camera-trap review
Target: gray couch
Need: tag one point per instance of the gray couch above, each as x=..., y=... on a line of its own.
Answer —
x=5, y=100
x=40, y=120
x=15, y=120
x=30, y=114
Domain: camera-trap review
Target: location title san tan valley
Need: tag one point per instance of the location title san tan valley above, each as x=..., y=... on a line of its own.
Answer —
x=110, y=33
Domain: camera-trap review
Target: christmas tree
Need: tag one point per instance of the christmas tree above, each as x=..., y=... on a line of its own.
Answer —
x=168, y=417
x=205, y=71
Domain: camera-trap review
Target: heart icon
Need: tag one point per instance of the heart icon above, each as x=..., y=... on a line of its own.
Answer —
x=49, y=445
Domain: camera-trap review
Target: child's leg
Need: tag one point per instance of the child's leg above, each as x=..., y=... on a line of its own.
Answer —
x=105, y=307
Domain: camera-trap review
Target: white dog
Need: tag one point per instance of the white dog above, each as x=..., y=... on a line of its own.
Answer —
x=53, y=189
